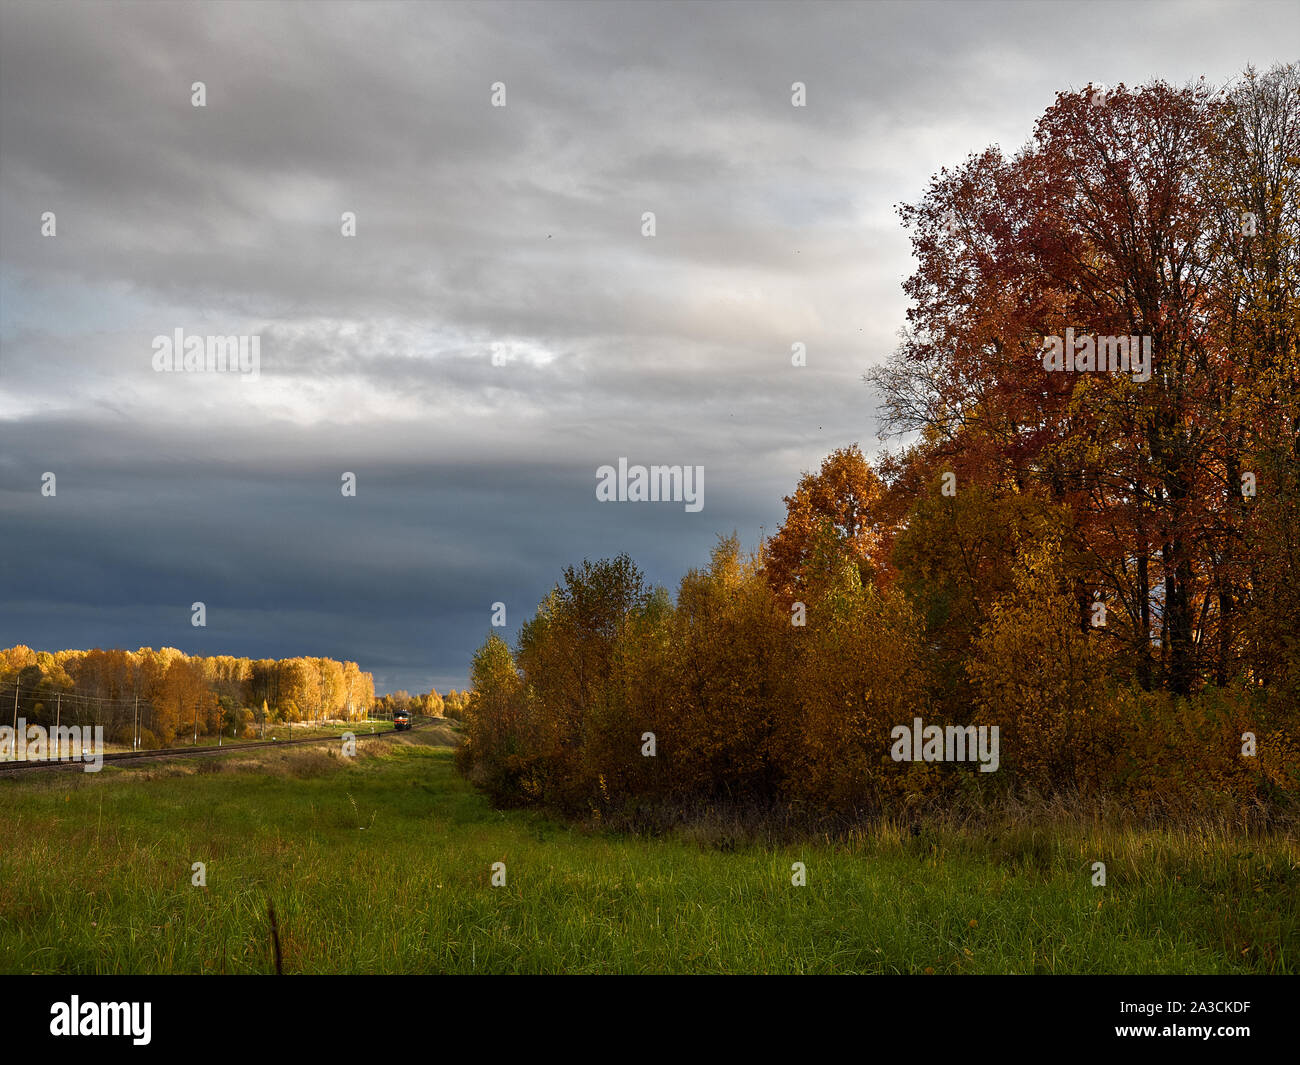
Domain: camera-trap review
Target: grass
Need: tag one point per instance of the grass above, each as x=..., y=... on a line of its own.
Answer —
x=383, y=865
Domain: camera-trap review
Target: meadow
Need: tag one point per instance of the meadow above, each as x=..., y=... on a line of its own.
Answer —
x=383, y=864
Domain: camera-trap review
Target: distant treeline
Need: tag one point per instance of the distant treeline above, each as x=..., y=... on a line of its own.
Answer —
x=175, y=693
x=451, y=705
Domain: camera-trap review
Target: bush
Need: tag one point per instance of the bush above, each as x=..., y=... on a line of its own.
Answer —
x=751, y=712
x=1038, y=677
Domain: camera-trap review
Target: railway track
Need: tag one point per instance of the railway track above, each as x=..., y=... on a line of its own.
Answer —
x=169, y=753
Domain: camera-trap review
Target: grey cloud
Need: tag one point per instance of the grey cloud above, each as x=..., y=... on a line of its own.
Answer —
x=518, y=226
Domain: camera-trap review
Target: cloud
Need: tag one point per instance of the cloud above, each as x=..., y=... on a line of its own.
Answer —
x=480, y=230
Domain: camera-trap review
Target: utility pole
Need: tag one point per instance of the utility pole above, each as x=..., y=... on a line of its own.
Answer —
x=135, y=726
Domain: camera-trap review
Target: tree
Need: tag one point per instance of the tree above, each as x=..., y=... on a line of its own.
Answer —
x=732, y=654
x=1038, y=677
x=955, y=558
x=496, y=750
x=1104, y=223
x=566, y=649
x=841, y=506
x=857, y=674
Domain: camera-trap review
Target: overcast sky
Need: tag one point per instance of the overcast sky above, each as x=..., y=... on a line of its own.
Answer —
x=518, y=226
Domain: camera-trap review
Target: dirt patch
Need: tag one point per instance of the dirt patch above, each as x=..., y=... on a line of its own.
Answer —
x=440, y=734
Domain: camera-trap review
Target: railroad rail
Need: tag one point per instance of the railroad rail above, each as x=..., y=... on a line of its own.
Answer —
x=168, y=753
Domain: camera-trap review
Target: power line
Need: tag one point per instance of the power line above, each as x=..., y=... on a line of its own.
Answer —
x=66, y=694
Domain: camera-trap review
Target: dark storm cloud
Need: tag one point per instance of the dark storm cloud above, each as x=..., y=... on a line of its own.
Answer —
x=517, y=227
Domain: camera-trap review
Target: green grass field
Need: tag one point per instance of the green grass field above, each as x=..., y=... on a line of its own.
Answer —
x=383, y=865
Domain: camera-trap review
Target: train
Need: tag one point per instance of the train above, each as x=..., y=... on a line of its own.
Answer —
x=402, y=720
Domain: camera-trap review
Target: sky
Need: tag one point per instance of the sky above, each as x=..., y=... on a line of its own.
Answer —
x=500, y=325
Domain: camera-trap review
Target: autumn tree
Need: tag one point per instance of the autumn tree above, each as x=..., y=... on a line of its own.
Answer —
x=855, y=670
x=1101, y=225
x=498, y=753
x=1253, y=185
x=733, y=643
x=1038, y=677
x=838, y=509
x=565, y=650
x=955, y=557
